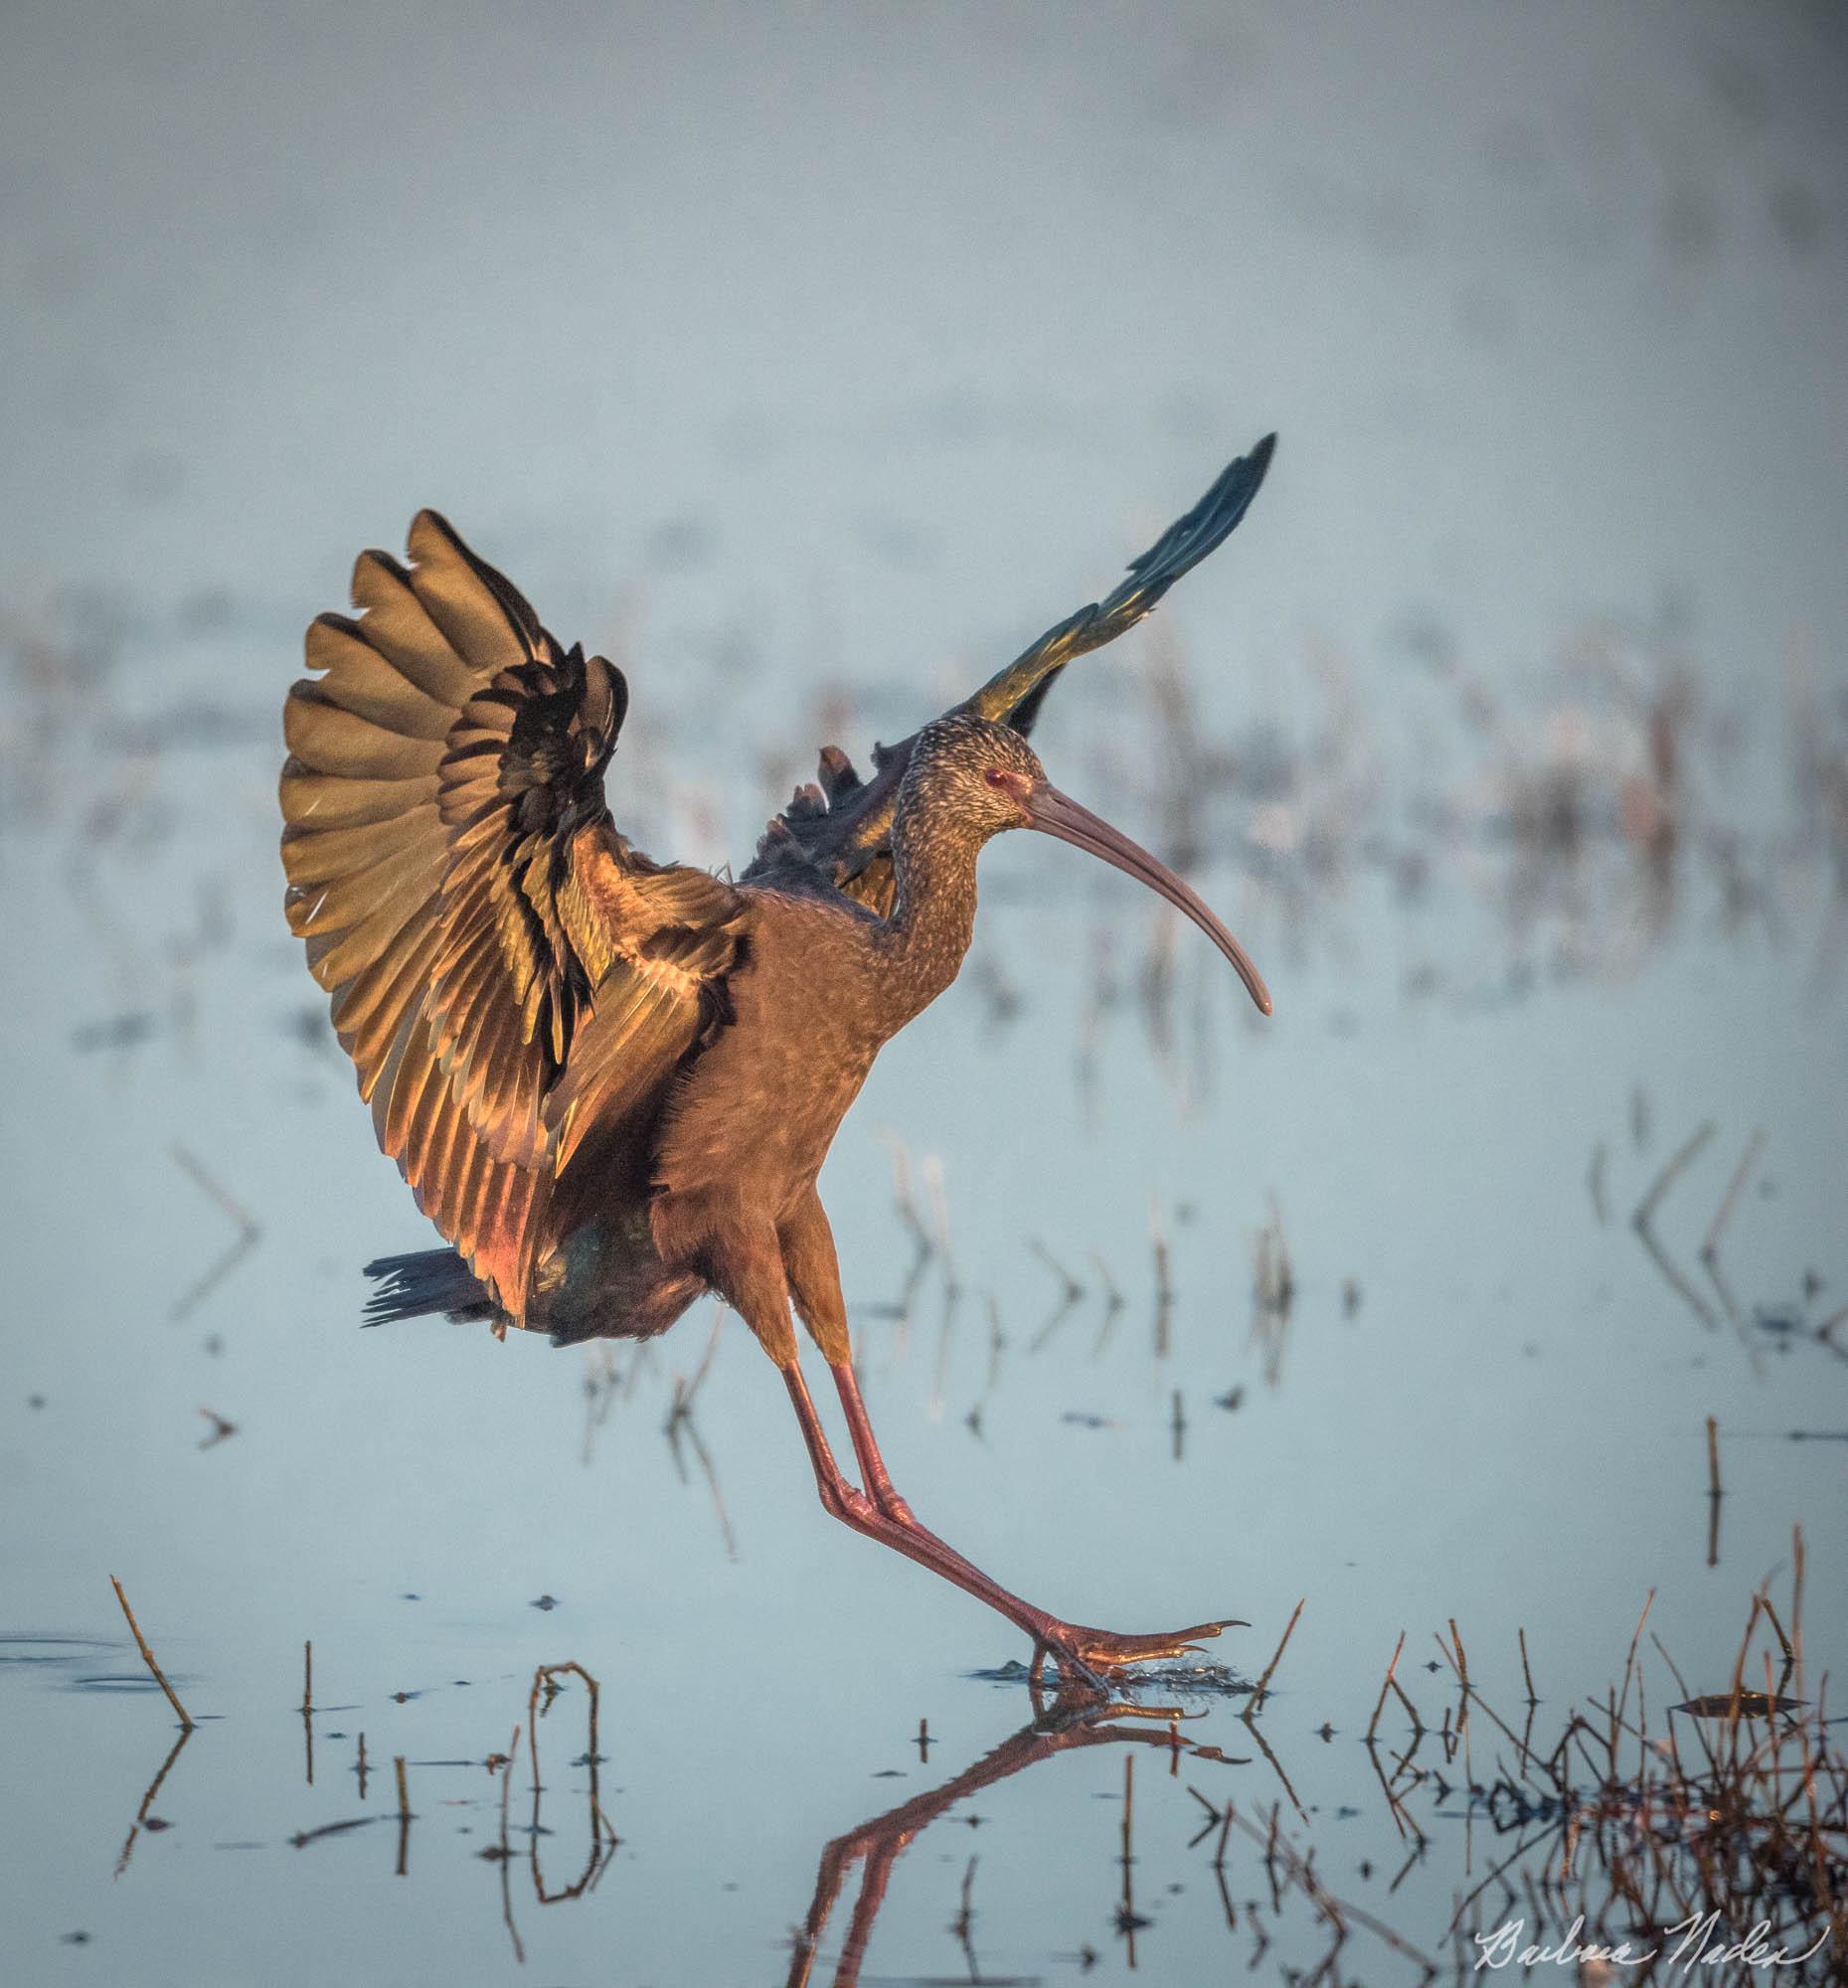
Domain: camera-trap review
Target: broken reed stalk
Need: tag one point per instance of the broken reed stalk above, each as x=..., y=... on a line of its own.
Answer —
x=1158, y=1244
x=1275, y=1657
x=148, y=1657
x=902, y=1198
x=1710, y=1247
x=1712, y=1459
x=1074, y=1290
x=1630, y=1664
x=307, y=1678
x=506, y=1787
x=964, y=1922
x=1796, y=1601
x=1645, y=1208
x=1127, y=1918
x=1372, y=1725
x=938, y=1203
x=403, y=1819
x=195, y=1169
x=1526, y=1669
x=1783, y=1641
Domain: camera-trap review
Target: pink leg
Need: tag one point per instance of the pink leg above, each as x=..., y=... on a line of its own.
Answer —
x=886, y=1517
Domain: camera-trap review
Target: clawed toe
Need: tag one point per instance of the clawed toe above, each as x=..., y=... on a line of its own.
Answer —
x=1104, y=1650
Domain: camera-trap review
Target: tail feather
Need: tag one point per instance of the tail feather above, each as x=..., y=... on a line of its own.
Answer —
x=424, y=1283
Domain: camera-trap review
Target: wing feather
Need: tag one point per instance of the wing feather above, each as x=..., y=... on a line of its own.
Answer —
x=371, y=684
x=397, y=625
x=329, y=738
x=312, y=801
x=837, y=835
x=482, y=927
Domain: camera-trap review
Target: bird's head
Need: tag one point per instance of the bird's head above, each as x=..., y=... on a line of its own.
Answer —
x=985, y=778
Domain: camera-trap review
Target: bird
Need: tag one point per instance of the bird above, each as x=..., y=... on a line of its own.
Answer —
x=611, y=1082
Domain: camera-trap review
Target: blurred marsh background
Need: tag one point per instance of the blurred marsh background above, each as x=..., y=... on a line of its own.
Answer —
x=809, y=360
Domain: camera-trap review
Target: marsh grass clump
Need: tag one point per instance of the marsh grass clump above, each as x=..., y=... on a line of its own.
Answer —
x=1712, y=1831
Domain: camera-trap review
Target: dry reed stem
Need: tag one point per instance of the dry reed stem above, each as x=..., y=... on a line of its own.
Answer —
x=403, y=1819
x=1710, y=1247
x=1373, y=1723
x=1277, y=1654
x=1678, y=1161
x=195, y=1170
x=148, y=1657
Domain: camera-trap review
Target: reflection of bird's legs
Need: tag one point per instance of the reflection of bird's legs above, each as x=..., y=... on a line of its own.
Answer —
x=880, y=1847
x=886, y=1517
x=1075, y=1719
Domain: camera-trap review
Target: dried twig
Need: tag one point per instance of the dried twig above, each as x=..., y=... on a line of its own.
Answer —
x=1372, y=1725
x=148, y=1657
x=1709, y=1247
x=1645, y=1208
x=1258, y=1696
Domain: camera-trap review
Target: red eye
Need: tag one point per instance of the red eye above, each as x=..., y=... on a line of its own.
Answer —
x=996, y=776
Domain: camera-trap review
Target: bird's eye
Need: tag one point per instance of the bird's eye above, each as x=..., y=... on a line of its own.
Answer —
x=996, y=776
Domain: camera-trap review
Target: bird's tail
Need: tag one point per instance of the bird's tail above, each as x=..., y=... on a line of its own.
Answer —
x=422, y=1283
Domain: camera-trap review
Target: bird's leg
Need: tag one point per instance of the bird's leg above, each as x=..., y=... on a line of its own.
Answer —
x=812, y=1270
x=873, y=1472
x=814, y=1276
x=848, y=1503
x=1101, y=1649
x=888, y=1518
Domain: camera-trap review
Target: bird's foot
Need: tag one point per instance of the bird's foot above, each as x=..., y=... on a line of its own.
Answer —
x=1092, y=1651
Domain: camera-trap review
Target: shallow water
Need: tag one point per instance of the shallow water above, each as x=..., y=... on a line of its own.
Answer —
x=1483, y=1406
x=1507, y=1431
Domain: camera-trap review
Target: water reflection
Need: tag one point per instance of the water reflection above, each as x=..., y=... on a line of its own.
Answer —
x=1728, y=1811
x=1075, y=1718
x=144, y=1816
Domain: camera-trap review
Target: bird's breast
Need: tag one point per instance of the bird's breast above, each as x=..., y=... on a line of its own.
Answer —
x=761, y=1105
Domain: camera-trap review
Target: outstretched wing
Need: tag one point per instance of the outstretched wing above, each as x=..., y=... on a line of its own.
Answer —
x=467, y=902
x=839, y=830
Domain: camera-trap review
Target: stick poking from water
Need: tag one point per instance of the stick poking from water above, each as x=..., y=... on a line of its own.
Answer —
x=404, y=1816
x=1709, y=1247
x=148, y=1657
x=1385, y=1685
x=1276, y=1656
x=1645, y=1208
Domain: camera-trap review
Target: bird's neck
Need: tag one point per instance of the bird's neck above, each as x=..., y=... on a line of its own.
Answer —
x=933, y=912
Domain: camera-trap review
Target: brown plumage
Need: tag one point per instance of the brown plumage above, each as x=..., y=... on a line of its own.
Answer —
x=611, y=1083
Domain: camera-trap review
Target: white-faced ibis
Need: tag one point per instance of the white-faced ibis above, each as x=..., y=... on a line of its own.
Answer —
x=609, y=1081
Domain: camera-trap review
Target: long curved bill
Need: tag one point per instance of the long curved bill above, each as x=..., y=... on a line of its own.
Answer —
x=1054, y=813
